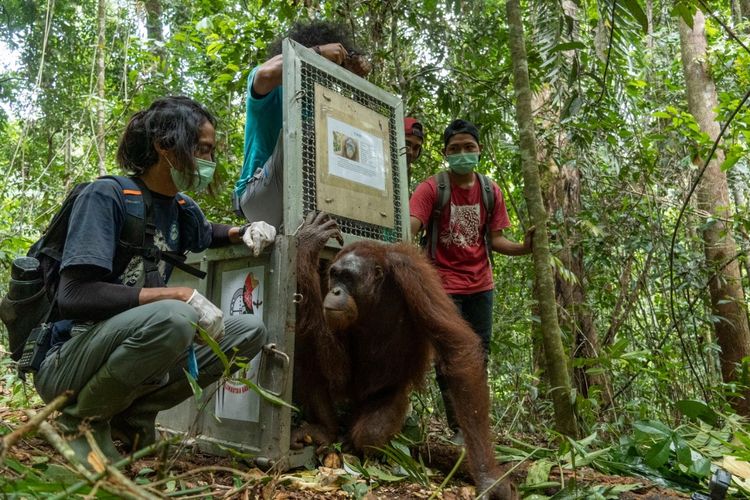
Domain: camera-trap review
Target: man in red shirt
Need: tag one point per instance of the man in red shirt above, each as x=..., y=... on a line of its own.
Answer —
x=461, y=254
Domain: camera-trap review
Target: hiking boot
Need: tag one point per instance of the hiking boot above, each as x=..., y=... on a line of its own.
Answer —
x=103, y=396
x=73, y=430
x=134, y=431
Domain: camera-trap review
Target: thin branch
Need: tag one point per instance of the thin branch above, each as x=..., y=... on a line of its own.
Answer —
x=70, y=490
x=721, y=23
x=34, y=422
x=609, y=55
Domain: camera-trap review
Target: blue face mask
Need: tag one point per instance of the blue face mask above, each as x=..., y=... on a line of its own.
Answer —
x=462, y=163
x=199, y=183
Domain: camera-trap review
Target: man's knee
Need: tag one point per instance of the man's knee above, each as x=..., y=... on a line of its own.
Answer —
x=174, y=321
x=246, y=333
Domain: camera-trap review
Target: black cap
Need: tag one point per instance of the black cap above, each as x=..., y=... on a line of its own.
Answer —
x=460, y=127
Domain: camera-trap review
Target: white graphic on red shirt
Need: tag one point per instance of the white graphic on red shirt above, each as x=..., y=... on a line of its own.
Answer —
x=463, y=227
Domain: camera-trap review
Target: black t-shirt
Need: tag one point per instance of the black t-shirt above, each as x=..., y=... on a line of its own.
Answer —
x=98, y=217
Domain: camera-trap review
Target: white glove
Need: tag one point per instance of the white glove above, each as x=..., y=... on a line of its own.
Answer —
x=258, y=236
x=210, y=319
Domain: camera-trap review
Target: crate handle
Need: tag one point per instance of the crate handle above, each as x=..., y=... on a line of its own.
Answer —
x=271, y=350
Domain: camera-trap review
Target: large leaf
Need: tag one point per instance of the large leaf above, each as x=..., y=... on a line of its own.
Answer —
x=568, y=46
x=637, y=12
x=539, y=472
x=658, y=454
x=653, y=428
x=697, y=409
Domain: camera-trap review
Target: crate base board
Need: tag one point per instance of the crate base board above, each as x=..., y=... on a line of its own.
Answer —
x=223, y=448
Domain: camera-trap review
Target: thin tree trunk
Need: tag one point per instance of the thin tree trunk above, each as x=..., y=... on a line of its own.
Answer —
x=396, y=55
x=68, y=149
x=745, y=9
x=727, y=296
x=572, y=294
x=650, y=24
x=154, y=28
x=562, y=195
x=557, y=365
x=734, y=6
x=155, y=32
x=100, y=132
x=125, y=69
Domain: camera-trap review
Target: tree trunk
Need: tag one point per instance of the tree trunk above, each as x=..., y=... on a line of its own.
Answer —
x=745, y=9
x=154, y=28
x=572, y=293
x=725, y=287
x=565, y=421
x=100, y=132
x=561, y=188
x=155, y=32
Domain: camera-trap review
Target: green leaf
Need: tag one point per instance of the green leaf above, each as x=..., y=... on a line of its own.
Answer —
x=701, y=467
x=215, y=348
x=730, y=160
x=697, y=409
x=686, y=11
x=265, y=394
x=197, y=389
x=223, y=78
x=378, y=473
x=684, y=455
x=658, y=454
x=637, y=12
x=567, y=46
x=214, y=47
x=539, y=472
x=653, y=428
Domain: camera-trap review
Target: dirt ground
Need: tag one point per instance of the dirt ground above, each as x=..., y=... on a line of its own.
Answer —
x=190, y=474
x=196, y=470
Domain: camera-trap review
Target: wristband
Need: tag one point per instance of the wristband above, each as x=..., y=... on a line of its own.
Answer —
x=243, y=229
x=316, y=49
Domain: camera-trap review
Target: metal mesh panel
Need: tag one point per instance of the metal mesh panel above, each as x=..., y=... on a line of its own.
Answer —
x=310, y=76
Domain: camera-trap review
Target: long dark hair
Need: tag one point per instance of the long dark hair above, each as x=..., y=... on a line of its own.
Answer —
x=173, y=123
x=311, y=33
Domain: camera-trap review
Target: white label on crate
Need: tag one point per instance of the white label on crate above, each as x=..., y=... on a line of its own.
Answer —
x=355, y=155
x=241, y=293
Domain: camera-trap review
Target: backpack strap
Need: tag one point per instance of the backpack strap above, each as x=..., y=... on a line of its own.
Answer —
x=443, y=190
x=139, y=229
x=177, y=259
x=488, y=201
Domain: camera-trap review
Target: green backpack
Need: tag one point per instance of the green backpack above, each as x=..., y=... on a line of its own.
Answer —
x=443, y=186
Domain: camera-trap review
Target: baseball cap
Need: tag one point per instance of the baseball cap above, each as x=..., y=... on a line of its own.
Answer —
x=460, y=127
x=413, y=127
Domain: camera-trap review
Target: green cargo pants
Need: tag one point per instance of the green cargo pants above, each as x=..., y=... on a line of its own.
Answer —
x=133, y=363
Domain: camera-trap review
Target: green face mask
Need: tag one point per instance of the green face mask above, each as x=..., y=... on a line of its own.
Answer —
x=205, y=176
x=462, y=163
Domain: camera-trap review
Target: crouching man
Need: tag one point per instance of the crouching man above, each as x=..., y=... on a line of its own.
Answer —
x=123, y=340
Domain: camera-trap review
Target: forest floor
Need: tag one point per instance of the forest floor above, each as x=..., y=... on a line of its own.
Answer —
x=191, y=474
